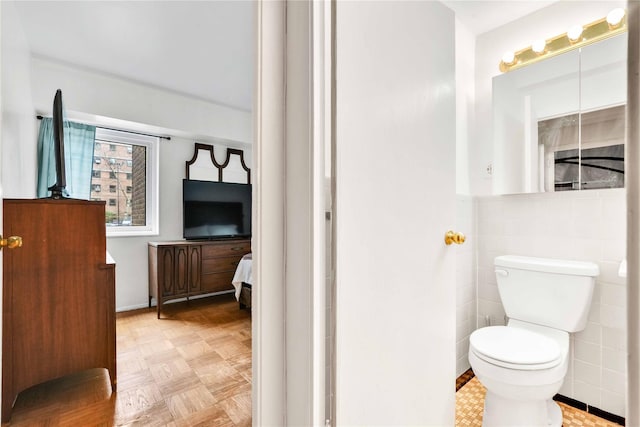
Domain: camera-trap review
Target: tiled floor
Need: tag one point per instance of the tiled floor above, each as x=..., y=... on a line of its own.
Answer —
x=470, y=402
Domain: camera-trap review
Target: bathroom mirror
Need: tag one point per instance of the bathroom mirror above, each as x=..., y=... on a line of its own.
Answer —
x=559, y=124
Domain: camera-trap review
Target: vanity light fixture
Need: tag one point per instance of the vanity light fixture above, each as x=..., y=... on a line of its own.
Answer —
x=614, y=18
x=574, y=34
x=538, y=46
x=508, y=58
x=613, y=24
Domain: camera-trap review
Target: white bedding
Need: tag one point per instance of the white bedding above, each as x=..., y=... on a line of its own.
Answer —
x=243, y=274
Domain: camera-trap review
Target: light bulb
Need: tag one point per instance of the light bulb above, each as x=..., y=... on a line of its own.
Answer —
x=615, y=17
x=538, y=46
x=574, y=33
x=508, y=58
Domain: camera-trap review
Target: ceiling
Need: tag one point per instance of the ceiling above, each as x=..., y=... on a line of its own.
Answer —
x=202, y=49
x=480, y=16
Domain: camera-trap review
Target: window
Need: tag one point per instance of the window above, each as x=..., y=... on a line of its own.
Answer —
x=131, y=202
x=95, y=173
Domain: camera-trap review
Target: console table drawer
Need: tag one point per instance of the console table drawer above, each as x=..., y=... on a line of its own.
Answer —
x=226, y=249
x=215, y=282
x=215, y=265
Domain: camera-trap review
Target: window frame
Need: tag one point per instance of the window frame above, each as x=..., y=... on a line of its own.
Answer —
x=151, y=143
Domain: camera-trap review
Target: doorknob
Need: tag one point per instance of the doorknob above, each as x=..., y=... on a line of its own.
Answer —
x=454, y=237
x=11, y=242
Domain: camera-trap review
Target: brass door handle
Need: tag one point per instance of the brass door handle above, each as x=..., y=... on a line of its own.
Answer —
x=454, y=237
x=11, y=242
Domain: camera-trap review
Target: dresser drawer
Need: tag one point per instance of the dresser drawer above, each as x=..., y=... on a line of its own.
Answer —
x=226, y=249
x=216, y=282
x=214, y=265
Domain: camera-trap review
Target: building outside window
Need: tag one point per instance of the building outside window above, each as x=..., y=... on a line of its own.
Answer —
x=131, y=162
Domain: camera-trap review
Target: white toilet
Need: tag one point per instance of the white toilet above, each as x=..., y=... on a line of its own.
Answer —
x=522, y=365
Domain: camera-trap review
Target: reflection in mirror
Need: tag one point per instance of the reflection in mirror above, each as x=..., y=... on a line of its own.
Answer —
x=599, y=160
x=559, y=124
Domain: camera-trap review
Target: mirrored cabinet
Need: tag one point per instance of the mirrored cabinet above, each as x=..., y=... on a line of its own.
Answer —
x=559, y=124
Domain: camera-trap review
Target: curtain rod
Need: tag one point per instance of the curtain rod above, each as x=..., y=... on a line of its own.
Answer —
x=168, y=138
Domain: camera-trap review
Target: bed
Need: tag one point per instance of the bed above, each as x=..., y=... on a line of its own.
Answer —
x=243, y=280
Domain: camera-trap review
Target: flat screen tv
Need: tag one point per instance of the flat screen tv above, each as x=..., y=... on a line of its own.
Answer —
x=216, y=210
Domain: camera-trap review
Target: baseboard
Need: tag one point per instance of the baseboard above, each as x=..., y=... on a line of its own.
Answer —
x=468, y=375
x=154, y=303
x=464, y=378
x=590, y=409
x=131, y=307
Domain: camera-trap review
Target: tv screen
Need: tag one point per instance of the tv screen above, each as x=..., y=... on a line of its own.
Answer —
x=216, y=210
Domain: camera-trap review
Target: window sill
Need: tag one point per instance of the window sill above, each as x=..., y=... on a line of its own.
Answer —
x=131, y=233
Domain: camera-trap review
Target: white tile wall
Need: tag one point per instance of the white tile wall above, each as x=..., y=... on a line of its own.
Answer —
x=465, y=281
x=587, y=225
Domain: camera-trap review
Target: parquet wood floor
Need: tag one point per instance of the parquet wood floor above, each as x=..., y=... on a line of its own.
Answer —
x=190, y=368
x=470, y=404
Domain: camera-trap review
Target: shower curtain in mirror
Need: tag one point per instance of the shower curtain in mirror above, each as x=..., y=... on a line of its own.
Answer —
x=584, y=151
x=79, y=142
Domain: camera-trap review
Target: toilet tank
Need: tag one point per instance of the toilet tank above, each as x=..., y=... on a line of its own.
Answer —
x=549, y=292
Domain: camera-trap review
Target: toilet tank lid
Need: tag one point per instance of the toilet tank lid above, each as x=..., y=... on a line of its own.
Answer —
x=548, y=265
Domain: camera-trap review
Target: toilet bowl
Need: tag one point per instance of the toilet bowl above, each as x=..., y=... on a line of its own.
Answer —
x=523, y=364
x=522, y=367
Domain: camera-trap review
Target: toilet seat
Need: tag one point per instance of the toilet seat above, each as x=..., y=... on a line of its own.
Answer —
x=515, y=348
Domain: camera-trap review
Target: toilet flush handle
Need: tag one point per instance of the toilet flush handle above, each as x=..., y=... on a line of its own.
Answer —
x=503, y=273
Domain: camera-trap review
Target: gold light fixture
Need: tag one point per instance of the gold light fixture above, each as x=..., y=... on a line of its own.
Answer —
x=613, y=24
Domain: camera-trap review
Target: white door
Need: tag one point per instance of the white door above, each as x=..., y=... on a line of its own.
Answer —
x=395, y=199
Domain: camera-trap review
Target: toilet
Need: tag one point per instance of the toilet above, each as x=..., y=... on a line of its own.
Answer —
x=523, y=364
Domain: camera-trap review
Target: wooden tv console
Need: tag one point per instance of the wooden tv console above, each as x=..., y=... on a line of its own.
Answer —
x=182, y=269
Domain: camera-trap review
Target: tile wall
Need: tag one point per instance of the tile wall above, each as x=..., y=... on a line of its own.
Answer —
x=588, y=225
x=465, y=281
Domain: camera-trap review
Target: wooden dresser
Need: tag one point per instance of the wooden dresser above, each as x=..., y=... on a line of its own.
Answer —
x=181, y=269
x=58, y=296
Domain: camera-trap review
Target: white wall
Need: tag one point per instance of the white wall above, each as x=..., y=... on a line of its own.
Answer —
x=104, y=95
x=465, y=216
x=99, y=95
x=588, y=225
x=465, y=103
x=18, y=127
x=466, y=298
